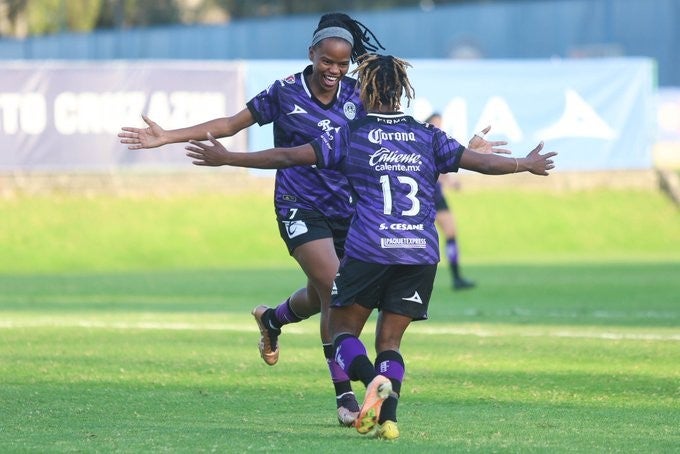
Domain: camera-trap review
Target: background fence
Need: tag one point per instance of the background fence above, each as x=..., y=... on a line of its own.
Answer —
x=517, y=29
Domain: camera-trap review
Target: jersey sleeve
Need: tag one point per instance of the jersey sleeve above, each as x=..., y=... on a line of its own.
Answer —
x=330, y=149
x=265, y=106
x=447, y=151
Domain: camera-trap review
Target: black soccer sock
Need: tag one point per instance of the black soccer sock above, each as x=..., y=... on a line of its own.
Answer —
x=452, y=256
x=388, y=411
x=390, y=364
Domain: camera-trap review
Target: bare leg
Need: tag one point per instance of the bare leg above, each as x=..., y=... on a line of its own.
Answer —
x=320, y=263
x=389, y=331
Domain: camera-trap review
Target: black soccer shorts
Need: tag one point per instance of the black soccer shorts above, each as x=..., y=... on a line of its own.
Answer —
x=302, y=226
x=400, y=289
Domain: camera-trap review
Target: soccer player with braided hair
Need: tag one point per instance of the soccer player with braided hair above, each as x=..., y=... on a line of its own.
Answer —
x=313, y=206
x=392, y=163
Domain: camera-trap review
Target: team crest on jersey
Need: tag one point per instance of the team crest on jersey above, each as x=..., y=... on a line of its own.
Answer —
x=290, y=79
x=350, y=110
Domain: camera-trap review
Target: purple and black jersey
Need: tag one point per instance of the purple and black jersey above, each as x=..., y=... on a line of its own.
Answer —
x=299, y=118
x=392, y=162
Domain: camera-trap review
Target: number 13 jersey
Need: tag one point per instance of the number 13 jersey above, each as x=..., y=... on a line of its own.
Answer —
x=392, y=163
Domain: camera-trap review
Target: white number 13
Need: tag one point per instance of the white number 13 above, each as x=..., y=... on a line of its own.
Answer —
x=387, y=195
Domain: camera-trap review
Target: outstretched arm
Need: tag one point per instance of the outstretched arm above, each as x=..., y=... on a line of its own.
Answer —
x=492, y=164
x=154, y=136
x=214, y=154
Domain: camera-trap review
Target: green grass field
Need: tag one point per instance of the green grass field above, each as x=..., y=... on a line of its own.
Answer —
x=125, y=327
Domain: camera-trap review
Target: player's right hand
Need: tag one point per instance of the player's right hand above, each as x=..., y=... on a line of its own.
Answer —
x=138, y=138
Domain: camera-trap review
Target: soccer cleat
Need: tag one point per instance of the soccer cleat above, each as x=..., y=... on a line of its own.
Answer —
x=348, y=409
x=376, y=392
x=462, y=284
x=269, y=348
x=388, y=430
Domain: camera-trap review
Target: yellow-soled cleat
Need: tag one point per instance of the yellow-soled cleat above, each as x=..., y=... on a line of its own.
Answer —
x=388, y=430
x=376, y=392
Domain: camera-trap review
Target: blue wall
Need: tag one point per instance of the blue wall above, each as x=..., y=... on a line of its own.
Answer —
x=504, y=29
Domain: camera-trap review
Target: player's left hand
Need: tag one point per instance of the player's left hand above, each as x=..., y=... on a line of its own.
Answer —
x=480, y=145
x=211, y=154
x=537, y=163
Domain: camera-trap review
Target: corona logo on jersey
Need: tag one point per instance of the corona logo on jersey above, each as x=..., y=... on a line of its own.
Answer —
x=378, y=135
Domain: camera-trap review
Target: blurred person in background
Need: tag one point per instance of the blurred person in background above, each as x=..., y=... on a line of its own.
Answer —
x=445, y=219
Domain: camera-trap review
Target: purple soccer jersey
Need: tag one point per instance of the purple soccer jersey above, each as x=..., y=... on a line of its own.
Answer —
x=392, y=163
x=299, y=118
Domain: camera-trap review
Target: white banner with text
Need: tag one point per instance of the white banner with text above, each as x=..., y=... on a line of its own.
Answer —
x=598, y=114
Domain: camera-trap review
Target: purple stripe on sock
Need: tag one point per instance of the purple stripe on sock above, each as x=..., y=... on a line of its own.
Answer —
x=390, y=369
x=452, y=251
x=284, y=314
x=337, y=374
x=349, y=349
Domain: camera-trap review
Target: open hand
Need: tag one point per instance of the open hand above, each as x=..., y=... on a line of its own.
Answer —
x=538, y=163
x=211, y=154
x=480, y=145
x=138, y=138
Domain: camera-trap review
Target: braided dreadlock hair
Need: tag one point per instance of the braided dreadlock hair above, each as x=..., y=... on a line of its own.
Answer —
x=383, y=81
x=363, y=37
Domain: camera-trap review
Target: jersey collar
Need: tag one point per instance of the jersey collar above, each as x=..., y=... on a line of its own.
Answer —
x=386, y=115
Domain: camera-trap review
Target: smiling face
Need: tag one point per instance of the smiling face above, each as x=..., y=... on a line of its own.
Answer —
x=330, y=62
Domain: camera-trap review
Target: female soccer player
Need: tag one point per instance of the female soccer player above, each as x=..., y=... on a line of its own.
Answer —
x=392, y=163
x=313, y=206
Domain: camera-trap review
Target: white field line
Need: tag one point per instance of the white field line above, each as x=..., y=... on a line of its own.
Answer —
x=529, y=332
x=416, y=328
x=607, y=315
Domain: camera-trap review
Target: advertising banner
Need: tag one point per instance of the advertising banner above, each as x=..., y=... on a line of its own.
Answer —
x=667, y=147
x=598, y=114
x=66, y=116
x=669, y=115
